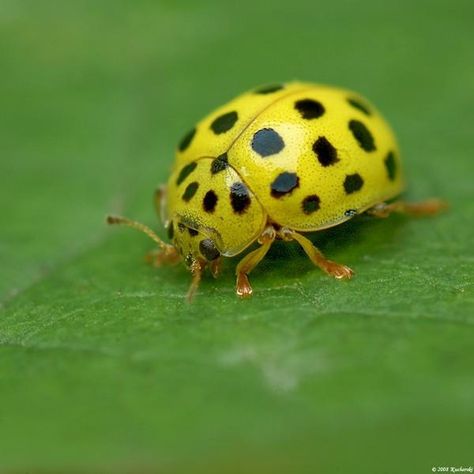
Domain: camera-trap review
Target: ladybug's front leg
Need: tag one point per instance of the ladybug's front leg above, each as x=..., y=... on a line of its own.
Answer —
x=251, y=260
x=166, y=256
x=215, y=267
x=197, y=268
x=416, y=209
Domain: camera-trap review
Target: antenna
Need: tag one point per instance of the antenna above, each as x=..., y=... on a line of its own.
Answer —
x=141, y=227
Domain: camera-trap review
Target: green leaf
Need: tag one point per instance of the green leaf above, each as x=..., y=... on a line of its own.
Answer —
x=105, y=367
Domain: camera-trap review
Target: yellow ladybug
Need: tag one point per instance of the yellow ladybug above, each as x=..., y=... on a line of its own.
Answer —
x=273, y=163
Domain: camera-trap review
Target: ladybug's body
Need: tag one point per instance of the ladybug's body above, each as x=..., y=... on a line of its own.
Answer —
x=303, y=156
x=272, y=163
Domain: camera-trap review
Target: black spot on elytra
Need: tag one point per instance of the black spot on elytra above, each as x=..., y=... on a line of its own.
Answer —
x=209, y=202
x=284, y=184
x=325, y=152
x=362, y=135
x=170, y=230
x=269, y=89
x=192, y=232
x=310, y=204
x=391, y=165
x=239, y=197
x=309, y=108
x=224, y=122
x=267, y=142
x=359, y=105
x=181, y=227
x=353, y=183
x=350, y=212
x=185, y=172
x=208, y=249
x=220, y=163
x=186, y=140
x=190, y=191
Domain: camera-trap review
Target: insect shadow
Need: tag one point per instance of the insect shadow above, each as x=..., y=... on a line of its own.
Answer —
x=345, y=243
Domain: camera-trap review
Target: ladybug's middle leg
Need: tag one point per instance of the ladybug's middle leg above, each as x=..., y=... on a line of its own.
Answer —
x=334, y=269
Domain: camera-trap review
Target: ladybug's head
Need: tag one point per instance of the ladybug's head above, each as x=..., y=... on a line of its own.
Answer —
x=192, y=242
x=194, y=247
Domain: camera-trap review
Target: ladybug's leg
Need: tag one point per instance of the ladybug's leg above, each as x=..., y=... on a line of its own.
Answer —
x=215, y=267
x=159, y=200
x=416, y=209
x=331, y=268
x=159, y=257
x=197, y=268
x=251, y=260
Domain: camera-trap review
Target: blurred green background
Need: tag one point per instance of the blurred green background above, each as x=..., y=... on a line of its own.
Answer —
x=104, y=367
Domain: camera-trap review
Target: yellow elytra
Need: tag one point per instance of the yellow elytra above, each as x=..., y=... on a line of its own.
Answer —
x=272, y=163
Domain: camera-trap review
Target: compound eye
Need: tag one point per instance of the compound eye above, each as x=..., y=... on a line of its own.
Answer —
x=208, y=250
